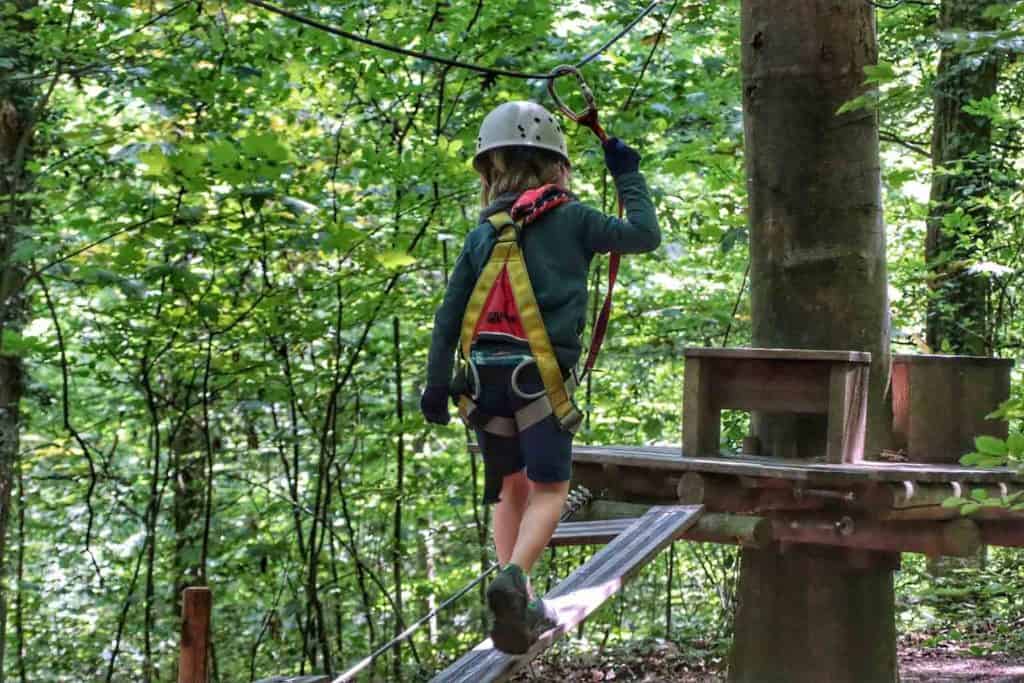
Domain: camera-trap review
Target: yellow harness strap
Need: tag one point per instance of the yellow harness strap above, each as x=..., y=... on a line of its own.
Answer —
x=507, y=255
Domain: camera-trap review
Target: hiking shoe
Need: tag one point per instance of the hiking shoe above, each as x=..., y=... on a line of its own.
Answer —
x=507, y=596
x=541, y=617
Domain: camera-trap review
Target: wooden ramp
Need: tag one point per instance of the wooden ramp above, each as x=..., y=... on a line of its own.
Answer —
x=583, y=591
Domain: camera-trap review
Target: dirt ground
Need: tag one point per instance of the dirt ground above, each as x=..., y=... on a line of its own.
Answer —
x=665, y=664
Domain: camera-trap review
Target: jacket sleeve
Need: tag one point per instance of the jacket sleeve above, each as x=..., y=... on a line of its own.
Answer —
x=638, y=233
x=448, y=320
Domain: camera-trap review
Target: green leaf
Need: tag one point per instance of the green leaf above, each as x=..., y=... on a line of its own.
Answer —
x=969, y=509
x=971, y=459
x=25, y=250
x=395, y=259
x=990, y=445
x=223, y=153
x=16, y=345
x=979, y=494
x=155, y=161
x=339, y=238
x=1015, y=444
x=866, y=101
x=264, y=146
x=879, y=73
x=953, y=502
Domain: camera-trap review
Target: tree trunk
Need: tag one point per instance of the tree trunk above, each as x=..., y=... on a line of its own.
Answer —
x=961, y=145
x=19, y=107
x=818, y=280
x=957, y=320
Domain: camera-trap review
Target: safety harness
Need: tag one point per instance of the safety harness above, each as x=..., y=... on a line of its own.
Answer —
x=503, y=306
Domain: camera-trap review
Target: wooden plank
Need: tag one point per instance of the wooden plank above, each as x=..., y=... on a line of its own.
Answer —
x=701, y=414
x=847, y=413
x=779, y=354
x=944, y=402
x=770, y=385
x=196, y=604
x=1008, y=534
x=579, y=595
x=663, y=459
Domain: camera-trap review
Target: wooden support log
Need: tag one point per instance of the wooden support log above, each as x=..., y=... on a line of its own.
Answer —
x=608, y=510
x=634, y=484
x=1009, y=534
x=958, y=538
x=751, y=532
x=917, y=501
x=726, y=494
x=197, y=602
x=744, y=530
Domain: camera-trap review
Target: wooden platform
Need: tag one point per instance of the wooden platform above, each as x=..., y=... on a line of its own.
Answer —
x=586, y=589
x=668, y=459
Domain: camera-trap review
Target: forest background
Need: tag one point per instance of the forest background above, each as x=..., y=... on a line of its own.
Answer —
x=222, y=239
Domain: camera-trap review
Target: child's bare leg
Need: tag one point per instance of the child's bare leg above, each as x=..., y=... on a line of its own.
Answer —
x=545, y=506
x=508, y=514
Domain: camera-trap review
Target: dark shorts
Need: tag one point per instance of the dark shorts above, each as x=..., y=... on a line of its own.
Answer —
x=544, y=449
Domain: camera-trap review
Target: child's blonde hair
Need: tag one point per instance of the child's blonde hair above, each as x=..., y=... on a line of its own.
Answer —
x=517, y=169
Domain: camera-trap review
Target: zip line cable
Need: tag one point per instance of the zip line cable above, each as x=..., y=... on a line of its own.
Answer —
x=483, y=70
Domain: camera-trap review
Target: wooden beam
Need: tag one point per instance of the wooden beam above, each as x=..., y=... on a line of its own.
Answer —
x=197, y=602
x=1005, y=533
x=726, y=494
x=748, y=531
x=958, y=538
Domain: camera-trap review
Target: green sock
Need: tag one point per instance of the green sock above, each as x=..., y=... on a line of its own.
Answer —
x=515, y=568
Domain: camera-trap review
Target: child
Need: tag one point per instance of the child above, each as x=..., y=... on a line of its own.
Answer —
x=524, y=170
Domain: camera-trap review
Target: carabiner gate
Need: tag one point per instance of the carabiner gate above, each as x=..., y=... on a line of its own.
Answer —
x=589, y=115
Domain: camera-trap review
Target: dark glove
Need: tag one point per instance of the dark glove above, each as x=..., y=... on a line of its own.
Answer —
x=434, y=404
x=620, y=157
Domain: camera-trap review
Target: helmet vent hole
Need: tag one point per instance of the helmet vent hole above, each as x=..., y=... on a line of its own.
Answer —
x=538, y=138
x=536, y=120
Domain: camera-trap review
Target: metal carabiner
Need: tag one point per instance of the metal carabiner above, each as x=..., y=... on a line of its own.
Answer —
x=514, y=380
x=589, y=115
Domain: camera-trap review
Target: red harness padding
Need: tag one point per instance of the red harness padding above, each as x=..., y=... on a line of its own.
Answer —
x=500, y=316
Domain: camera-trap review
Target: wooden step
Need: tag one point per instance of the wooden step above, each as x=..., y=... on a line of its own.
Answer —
x=586, y=589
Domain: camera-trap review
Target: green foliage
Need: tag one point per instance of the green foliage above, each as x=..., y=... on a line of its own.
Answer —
x=233, y=214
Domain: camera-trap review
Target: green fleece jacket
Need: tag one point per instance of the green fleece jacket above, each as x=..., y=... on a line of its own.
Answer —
x=558, y=248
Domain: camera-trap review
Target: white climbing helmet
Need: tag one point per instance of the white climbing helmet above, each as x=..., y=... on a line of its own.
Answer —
x=521, y=124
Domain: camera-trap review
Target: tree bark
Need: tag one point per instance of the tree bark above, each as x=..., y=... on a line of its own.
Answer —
x=20, y=108
x=818, y=280
x=961, y=146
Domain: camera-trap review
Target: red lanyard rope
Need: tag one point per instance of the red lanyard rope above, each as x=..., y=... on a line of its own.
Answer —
x=589, y=119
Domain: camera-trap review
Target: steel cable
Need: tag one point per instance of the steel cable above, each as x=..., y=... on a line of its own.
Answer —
x=483, y=70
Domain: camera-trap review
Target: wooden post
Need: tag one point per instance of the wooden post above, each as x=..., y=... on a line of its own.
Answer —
x=701, y=415
x=196, y=604
x=847, y=413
